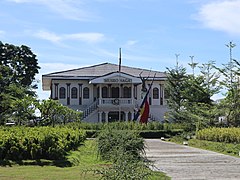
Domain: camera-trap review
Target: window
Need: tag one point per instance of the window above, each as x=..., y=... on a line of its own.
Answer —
x=74, y=93
x=155, y=93
x=86, y=93
x=115, y=92
x=104, y=92
x=62, y=92
x=127, y=92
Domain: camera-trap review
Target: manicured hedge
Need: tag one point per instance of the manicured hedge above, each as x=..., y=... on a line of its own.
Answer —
x=18, y=143
x=142, y=133
x=228, y=135
x=127, y=125
x=159, y=133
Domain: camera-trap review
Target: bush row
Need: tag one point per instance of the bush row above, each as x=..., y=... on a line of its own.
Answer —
x=228, y=135
x=142, y=133
x=129, y=125
x=18, y=143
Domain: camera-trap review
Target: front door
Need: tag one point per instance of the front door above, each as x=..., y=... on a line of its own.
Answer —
x=114, y=116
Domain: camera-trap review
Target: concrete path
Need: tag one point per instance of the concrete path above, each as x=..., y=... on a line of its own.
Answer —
x=184, y=163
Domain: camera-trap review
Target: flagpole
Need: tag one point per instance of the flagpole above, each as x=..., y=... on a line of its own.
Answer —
x=119, y=86
x=120, y=59
x=144, y=99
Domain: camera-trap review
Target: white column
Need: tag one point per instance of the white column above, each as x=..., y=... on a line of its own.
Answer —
x=126, y=116
x=100, y=116
x=132, y=113
x=100, y=93
x=132, y=93
x=163, y=94
x=106, y=117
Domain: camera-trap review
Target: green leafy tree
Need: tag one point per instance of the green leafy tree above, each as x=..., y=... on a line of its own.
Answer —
x=211, y=78
x=24, y=110
x=49, y=110
x=175, y=87
x=231, y=103
x=52, y=112
x=19, y=63
x=18, y=67
x=190, y=96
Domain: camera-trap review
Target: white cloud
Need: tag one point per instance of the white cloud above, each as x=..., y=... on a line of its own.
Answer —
x=48, y=36
x=221, y=15
x=130, y=43
x=54, y=67
x=55, y=38
x=70, y=9
x=87, y=37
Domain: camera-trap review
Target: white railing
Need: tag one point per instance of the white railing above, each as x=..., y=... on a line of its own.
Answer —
x=116, y=101
x=92, y=107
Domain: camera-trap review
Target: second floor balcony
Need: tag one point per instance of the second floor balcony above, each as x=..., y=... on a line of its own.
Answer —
x=117, y=101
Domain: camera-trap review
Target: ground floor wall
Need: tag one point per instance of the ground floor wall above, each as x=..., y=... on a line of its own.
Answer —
x=99, y=115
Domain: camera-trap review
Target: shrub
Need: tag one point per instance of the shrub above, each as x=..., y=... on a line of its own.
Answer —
x=126, y=167
x=125, y=149
x=18, y=143
x=228, y=135
x=110, y=142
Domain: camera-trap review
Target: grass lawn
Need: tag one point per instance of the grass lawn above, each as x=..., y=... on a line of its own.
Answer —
x=79, y=165
x=83, y=160
x=221, y=147
x=224, y=148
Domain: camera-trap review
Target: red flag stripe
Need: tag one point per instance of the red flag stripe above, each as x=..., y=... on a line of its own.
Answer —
x=145, y=114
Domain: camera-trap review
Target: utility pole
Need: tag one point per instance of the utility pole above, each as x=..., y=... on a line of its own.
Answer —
x=177, y=55
x=192, y=64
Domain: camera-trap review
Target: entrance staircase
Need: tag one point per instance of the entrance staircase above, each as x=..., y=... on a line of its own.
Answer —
x=90, y=109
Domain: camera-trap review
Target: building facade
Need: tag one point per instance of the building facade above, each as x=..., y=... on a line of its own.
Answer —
x=107, y=93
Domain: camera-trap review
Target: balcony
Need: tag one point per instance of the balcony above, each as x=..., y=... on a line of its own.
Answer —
x=117, y=102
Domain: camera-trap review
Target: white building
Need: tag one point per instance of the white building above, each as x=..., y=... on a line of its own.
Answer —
x=105, y=94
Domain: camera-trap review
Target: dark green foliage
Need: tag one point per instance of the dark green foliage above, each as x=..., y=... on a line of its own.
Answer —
x=19, y=64
x=129, y=125
x=159, y=133
x=126, y=167
x=18, y=67
x=149, y=130
x=111, y=142
x=175, y=87
x=142, y=133
x=53, y=112
x=24, y=110
x=125, y=149
x=190, y=96
x=19, y=143
x=229, y=106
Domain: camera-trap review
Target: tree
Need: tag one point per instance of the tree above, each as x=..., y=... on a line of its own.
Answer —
x=18, y=67
x=190, y=96
x=231, y=103
x=24, y=110
x=52, y=112
x=175, y=87
x=20, y=64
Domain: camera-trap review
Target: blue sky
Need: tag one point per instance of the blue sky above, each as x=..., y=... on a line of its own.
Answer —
x=68, y=34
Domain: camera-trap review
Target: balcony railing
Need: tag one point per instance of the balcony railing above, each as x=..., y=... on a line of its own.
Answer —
x=116, y=101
